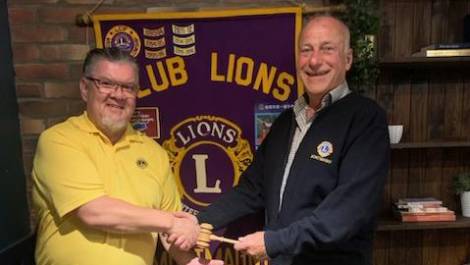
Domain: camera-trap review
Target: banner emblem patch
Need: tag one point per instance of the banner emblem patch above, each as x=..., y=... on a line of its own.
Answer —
x=124, y=38
x=207, y=154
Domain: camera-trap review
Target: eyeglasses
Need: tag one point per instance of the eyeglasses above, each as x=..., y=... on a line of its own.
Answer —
x=107, y=87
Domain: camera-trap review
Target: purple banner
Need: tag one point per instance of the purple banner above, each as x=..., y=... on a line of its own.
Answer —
x=205, y=78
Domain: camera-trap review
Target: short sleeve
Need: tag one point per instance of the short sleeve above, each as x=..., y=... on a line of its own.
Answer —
x=64, y=174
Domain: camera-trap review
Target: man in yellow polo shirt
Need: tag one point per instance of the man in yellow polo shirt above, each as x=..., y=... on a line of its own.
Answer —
x=102, y=190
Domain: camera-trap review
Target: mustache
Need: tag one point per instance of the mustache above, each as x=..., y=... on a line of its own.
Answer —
x=315, y=72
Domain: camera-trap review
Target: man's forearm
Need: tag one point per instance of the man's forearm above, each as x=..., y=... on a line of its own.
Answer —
x=117, y=215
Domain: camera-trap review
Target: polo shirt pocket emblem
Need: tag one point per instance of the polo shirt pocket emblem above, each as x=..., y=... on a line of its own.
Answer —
x=324, y=149
x=141, y=163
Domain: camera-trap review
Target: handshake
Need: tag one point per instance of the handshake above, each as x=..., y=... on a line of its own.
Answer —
x=185, y=234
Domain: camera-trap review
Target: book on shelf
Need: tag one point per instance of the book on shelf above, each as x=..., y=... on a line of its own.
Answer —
x=427, y=209
x=456, y=45
x=416, y=206
x=445, y=50
x=429, y=217
x=420, y=210
x=445, y=212
x=423, y=201
x=447, y=53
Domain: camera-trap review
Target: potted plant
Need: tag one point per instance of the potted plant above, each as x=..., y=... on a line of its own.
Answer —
x=364, y=22
x=462, y=187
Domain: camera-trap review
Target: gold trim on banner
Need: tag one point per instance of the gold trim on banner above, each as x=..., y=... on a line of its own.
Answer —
x=156, y=13
x=155, y=54
x=199, y=14
x=154, y=43
x=154, y=32
x=182, y=30
x=184, y=40
x=184, y=51
x=98, y=33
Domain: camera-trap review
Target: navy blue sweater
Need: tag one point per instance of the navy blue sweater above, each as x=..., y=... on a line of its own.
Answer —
x=333, y=191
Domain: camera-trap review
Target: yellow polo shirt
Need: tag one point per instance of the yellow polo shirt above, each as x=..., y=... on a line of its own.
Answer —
x=74, y=164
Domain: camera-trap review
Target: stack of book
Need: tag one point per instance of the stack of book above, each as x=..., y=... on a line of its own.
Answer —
x=423, y=210
x=445, y=50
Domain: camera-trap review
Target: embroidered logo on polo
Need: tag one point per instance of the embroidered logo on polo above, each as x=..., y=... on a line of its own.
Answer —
x=324, y=149
x=207, y=154
x=142, y=163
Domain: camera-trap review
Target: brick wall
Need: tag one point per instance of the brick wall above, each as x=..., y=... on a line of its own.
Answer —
x=48, y=49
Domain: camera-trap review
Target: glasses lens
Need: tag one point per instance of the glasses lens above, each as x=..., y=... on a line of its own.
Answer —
x=107, y=87
x=128, y=89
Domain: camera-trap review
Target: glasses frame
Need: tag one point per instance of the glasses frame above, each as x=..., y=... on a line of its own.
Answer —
x=108, y=86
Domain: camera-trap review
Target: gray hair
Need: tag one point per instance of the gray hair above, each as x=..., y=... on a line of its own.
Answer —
x=110, y=54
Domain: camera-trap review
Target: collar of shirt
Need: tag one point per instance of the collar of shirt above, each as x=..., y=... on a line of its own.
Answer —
x=84, y=123
x=304, y=114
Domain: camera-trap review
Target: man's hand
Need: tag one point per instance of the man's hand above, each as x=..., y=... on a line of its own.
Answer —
x=253, y=244
x=184, y=231
x=201, y=261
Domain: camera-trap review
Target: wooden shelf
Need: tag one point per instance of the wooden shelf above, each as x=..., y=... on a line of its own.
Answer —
x=426, y=62
x=416, y=145
x=394, y=225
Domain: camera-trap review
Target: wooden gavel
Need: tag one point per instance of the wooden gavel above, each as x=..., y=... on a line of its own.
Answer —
x=205, y=236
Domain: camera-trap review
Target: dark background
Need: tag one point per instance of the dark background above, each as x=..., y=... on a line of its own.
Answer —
x=14, y=216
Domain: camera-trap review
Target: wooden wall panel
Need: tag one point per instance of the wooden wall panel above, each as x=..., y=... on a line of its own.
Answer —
x=452, y=164
x=456, y=11
x=399, y=177
x=465, y=129
x=430, y=185
x=419, y=107
x=401, y=102
x=421, y=31
x=403, y=41
x=382, y=248
x=406, y=248
x=436, y=114
x=384, y=94
x=434, y=105
x=452, y=247
x=430, y=248
x=387, y=30
x=453, y=107
x=439, y=21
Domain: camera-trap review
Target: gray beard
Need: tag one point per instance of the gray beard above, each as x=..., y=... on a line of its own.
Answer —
x=113, y=126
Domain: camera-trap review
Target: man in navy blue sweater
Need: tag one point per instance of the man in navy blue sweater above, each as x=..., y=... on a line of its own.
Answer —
x=320, y=172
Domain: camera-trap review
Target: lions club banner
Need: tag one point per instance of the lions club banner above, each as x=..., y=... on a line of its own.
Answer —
x=211, y=84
